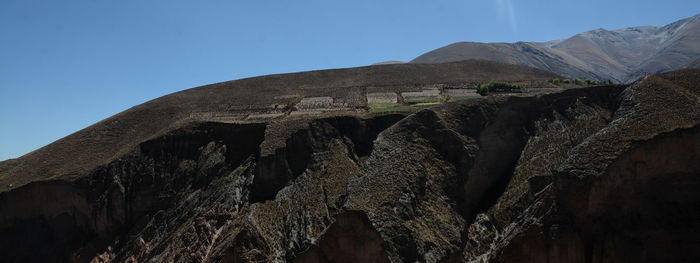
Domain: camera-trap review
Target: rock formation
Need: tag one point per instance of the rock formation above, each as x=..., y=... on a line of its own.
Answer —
x=596, y=174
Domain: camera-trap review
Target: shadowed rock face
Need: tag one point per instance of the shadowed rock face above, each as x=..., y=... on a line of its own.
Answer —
x=350, y=238
x=79, y=218
x=599, y=174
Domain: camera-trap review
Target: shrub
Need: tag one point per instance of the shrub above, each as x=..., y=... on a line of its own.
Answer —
x=555, y=81
x=590, y=82
x=578, y=81
x=494, y=86
x=482, y=89
x=567, y=81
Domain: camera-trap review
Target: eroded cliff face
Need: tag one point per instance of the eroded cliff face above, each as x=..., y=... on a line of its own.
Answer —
x=600, y=174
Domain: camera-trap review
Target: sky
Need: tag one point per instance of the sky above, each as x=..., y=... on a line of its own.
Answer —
x=65, y=65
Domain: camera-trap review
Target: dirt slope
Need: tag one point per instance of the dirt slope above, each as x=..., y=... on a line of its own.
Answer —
x=593, y=174
x=235, y=101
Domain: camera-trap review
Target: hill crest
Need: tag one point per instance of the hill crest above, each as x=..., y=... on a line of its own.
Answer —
x=621, y=55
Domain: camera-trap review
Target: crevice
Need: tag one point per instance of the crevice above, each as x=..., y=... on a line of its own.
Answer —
x=501, y=131
x=277, y=170
x=300, y=147
x=363, y=132
x=351, y=238
x=485, y=157
x=242, y=140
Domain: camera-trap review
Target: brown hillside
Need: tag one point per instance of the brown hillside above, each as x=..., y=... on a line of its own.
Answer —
x=234, y=101
x=592, y=174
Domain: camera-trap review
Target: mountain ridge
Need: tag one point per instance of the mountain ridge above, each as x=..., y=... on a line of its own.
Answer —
x=621, y=55
x=599, y=172
x=237, y=101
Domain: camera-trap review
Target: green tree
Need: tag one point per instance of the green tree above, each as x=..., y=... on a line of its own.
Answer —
x=482, y=89
x=495, y=86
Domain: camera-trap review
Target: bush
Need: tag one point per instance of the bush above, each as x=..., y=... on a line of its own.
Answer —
x=555, y=81
x=590, y=82
x=578, y=81
x=566, y=81
x=482, y=89
x=495, y=86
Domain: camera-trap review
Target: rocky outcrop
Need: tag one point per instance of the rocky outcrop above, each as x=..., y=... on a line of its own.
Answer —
x=617, y=193
x=351, y=238
x=77, y=219
x=599, y=174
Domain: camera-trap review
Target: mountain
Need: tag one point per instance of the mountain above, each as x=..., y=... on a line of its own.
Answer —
x=622, y=55
x=388, y=62
x=695, y=63
x=302, y=168
x=245, y=100
x=226, y=147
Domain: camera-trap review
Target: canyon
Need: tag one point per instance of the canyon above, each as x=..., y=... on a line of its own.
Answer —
x=298, y=168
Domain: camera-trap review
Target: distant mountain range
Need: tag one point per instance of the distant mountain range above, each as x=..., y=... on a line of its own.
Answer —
x=621, y=55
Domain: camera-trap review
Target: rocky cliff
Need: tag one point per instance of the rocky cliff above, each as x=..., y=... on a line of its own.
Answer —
x=597, y=174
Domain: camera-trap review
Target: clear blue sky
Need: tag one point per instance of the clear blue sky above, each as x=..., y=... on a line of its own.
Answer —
x=67, y=64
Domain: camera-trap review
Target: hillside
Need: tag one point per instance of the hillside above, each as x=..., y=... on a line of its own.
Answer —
x=622, y=55
x=247, y=100
x=296, y=168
